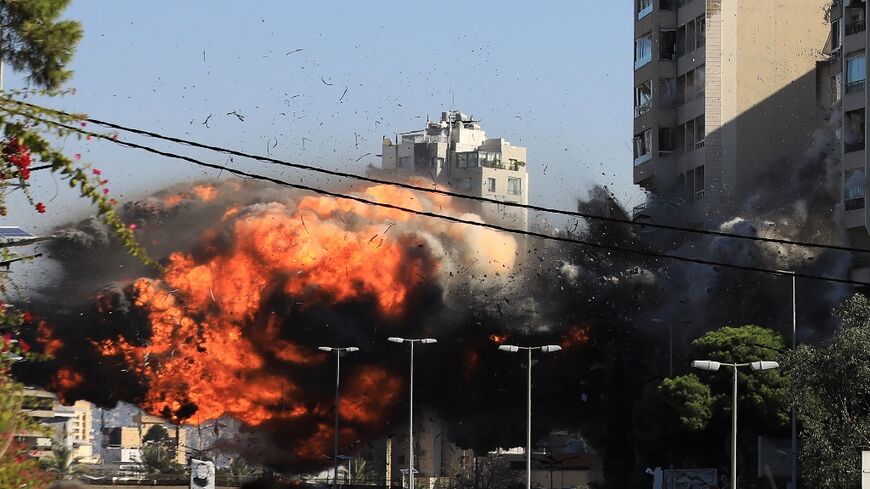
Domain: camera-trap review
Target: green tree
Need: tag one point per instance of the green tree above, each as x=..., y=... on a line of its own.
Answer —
x=832, y=399
x=670, y=418
x=241, y=470
x=359, y=471
x=762, y=396
x=156, y=434
x=61, y=461
x=157, y=459
x=34, y=41
x=676, y=416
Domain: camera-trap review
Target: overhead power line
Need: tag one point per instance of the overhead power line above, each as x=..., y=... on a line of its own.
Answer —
x=363, y=200
x=379, y=181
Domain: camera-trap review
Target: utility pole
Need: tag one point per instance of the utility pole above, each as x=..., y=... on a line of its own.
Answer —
x=412, y=341
x=338, y=351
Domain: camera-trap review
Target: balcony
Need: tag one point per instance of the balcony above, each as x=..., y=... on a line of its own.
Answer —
x=642, y=109
x=854, y=204
x=856, y=27
x=852, y=147
x=855, y=86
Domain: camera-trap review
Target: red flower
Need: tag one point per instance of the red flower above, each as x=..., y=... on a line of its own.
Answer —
x=96, y=172
x=105, y=191
x=133, y=227
x=77, y=156
x=24, y=173
x=25, y=347
x=89, y=137
x=84, y=124
x=40, y=207
x=103, y=182
x=113, y=202
x=27, y=317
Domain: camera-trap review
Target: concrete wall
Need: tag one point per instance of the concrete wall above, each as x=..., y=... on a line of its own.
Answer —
x=757, y=50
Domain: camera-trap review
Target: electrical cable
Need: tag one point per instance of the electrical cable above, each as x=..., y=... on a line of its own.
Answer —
x=335, y=173
x=444, y=217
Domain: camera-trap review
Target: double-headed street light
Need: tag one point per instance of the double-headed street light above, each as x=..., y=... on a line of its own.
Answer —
x=714, y=366
x=338, y=351
x=543, y=349
x=425, y=341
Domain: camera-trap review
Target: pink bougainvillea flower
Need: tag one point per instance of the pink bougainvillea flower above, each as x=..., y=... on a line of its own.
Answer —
x=77, y=156
x=40, y=207
x=133, y=227
x=96, y=172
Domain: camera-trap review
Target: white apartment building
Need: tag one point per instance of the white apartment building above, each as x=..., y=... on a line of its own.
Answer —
x=456, y=154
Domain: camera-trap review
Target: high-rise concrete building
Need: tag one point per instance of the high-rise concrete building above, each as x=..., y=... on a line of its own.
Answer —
x=846, y=95
x=456, y=154
x=723, y=89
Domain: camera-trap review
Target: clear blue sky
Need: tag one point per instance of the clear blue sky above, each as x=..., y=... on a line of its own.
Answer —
x=554, y=76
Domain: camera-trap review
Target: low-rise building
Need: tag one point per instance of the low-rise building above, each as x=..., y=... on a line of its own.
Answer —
x=70, y=426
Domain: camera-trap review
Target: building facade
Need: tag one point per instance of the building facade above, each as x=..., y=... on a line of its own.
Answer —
x=845, y=77
x=455, y=153
x=70, y=426
x=723, y=89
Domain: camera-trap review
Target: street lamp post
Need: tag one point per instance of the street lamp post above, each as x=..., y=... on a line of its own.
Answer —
x=425, y=341
x=338, y=351
x=714, y=366
x=543, y=349
x=794, y=444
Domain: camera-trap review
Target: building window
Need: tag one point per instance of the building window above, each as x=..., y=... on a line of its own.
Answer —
x=667, y=94
x=490, y=184
x=642, y=98
x=856, y=73
x=855, y=23
x=853, y=136
x=515, y=186
x=700, y=80
x=404, y=162
x=667, y=140
x=699, y=183
x=836, y=87
x=701, y=31
x=853, y=189
x=667, y=4
x=644, y=8
x=642, y=50
x=466, y=160
x=836, y=35
x=700, y=133
x=690, y=136
x=643, y=147
x=668, y=44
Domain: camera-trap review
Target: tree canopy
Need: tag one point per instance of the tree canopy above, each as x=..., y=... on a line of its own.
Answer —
x=832, y=399
x=677, y=415
x=34, y=40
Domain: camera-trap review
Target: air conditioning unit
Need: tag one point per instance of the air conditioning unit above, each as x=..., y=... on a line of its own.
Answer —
x=201, y=474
